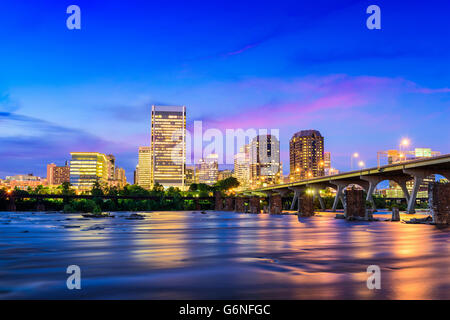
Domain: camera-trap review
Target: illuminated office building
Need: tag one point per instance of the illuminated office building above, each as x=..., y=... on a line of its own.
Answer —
x=86, y=168
x=208, y=171
x=143, y=169
x=225, y=174
x=242, y=166
x=306, y=154
x=168, y=146
x=190, y=175
x=265, y=166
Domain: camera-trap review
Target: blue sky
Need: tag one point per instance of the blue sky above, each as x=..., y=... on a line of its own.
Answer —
x=289, y=65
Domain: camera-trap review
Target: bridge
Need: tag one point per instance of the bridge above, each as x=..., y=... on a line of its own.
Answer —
x=368, y=179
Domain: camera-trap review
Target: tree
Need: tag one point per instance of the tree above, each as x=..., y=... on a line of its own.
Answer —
x=193, y=187
x=65, y=189
x=158, y=188
x=203, y=187
x=97, y=189
x=227, y=184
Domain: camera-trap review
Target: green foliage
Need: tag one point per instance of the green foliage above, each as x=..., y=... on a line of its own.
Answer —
x=97, y=189
x=83, y=205
x=227, y=184
x=68, y=208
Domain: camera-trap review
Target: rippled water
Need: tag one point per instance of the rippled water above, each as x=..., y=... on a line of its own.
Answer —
x=219, y=255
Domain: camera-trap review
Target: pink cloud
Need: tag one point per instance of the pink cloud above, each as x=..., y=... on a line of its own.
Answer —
x=305, y=100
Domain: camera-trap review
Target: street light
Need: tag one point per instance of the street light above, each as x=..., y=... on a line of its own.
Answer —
x=404, y=143
x=355, y=155
x=361, y=164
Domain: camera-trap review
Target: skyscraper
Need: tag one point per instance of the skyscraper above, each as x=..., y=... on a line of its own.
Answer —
x=265, y=163
x=209, y=169
x=168, y=146
x=306, y=154
x=242, y=166
x=143, y=169
x=86, y=168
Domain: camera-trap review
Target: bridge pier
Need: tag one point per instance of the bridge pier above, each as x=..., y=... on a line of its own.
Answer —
x=340, y=187
x=274, y=202
x=373, y=182
x=295, y=198
x=439, y=202
x=229, y=204
x=255, y=205
x=401, y=181
x=218, y=201
x=306, y=205
x=418, y=175
x=355, y=204
x=239, y=205
x=316, y=194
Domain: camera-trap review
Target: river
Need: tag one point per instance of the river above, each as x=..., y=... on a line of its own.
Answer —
x=219, y=255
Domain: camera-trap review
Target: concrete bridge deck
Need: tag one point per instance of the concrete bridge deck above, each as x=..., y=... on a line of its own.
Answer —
x=368, y=179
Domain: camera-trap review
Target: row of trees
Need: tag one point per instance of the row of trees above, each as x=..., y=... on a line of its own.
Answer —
x=169, y=199
x=99, y=189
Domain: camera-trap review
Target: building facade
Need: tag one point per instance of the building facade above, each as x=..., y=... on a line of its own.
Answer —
x=111, y=167
x=57, y=175
x=190, y=175
x=265, y=166
x=120, y=177
x=208, y=169
x=23, y=181
x=306, y=155
x=225, y=174
x=143, y=169
x=86, y=168
x=326, y=160
x=242, y=166
x=168, y=146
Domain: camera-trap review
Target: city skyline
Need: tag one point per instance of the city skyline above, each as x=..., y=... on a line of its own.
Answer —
x=320, y=68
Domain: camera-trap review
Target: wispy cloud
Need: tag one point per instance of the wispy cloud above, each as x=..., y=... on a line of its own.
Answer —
x=28, y=143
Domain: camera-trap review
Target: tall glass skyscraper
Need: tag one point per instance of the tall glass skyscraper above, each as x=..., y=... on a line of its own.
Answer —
x=168, y=146
x=143, y=170
x=265, y=166
x=306, y=154
x=86, y=168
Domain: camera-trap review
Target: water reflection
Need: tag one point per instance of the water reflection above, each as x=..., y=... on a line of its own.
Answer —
x=186, y=255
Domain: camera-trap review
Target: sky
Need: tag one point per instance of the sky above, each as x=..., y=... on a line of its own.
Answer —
x=287, y=65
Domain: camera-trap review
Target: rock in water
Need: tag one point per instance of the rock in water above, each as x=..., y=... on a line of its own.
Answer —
x=136, y=216
x=395, y=214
